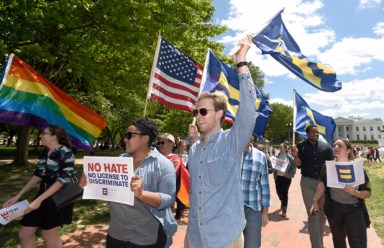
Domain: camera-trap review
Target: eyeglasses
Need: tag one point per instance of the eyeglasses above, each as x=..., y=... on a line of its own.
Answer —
x=128, y=135
x=43, y=133
x=160, y=143
x=202, y=111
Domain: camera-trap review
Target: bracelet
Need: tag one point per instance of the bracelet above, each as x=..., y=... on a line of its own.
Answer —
x=242, y=63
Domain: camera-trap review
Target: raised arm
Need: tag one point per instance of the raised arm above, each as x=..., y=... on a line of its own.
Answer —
x=245, y=120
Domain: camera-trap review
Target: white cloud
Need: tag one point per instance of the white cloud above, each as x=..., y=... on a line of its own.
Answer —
x=250, y=16
x=364, y=4
x=282, y=101
x=379, y=29
x=356, y=98
x=353, y=55
x=348, y=56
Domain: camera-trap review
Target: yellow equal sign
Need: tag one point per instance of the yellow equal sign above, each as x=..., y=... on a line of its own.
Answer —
x=345, y=173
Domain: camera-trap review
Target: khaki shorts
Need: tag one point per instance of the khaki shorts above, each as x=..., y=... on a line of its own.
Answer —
x=238, y=243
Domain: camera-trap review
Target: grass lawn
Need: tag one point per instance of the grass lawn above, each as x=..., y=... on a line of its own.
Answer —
x=90, y=212
x=375, y=204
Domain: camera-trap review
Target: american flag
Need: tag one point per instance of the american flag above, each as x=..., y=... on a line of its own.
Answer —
x=175, y=78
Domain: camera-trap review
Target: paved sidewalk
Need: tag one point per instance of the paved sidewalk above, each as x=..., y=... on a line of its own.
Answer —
x=280, y=232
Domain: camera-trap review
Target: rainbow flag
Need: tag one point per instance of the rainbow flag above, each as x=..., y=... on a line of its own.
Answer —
x=183, y=193
x=29, y=99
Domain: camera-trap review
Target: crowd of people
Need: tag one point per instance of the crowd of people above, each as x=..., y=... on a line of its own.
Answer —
x=229, y=182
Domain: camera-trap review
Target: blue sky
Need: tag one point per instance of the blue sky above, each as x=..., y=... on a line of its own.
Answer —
x=347, y=35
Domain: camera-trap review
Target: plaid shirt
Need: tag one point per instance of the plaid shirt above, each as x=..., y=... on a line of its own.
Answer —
x=254, y=180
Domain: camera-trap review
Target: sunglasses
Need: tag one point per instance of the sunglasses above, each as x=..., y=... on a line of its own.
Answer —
x=160, y=143
x=128, y=135
x=202, y=111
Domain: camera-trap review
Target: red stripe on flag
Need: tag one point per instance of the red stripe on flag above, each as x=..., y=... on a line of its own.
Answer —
x=178, y=85
x=171, y=104
x=174, y=95
x=176, y=78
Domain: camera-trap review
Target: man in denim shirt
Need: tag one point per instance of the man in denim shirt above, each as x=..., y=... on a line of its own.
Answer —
x=216, y=217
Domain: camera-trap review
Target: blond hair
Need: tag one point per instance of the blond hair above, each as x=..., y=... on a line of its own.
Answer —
x=219, y=101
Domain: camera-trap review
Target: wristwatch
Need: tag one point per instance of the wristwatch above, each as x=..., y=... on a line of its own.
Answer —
x=242, y=63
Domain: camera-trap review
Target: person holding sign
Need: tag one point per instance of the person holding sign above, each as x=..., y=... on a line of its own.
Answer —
x=283, y=179
x=345, y=207
x=149, y=222
x=309, y=156
x=54, y=169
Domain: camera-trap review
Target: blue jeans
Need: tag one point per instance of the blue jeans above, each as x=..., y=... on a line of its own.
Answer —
x=252, y=231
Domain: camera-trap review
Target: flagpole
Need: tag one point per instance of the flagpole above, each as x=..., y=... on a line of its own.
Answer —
x=204, y=76
x=152, y=77
x=236, y=49
x=6, y=71
x=294, y=118
x=203, y=79
x=145, y=107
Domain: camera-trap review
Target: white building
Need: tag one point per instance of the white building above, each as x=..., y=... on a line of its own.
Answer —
x=359, y=129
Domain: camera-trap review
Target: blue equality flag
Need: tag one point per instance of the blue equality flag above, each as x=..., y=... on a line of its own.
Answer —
x=275, y=40
x=305, y=116
x=220, y=77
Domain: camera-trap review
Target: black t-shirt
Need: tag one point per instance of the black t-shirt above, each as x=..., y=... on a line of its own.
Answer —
x=313, y=157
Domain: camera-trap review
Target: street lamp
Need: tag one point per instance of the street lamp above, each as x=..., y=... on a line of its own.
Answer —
x=289, y=129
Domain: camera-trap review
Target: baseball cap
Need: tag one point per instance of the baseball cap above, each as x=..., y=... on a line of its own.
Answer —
x=167, y=136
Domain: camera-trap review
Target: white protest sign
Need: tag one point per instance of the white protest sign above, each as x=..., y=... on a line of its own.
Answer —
x=340, y=174
x=279, y=164
x=109, y=179
x=380, y=142
x=13, y=212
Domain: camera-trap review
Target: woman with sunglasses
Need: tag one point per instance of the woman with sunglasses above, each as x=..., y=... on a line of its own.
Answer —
x=54, y=169
x=345, y=208
x=149, y=222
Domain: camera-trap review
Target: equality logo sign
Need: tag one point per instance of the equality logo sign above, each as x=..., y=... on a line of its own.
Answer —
x=345, y=173
x=340, y=174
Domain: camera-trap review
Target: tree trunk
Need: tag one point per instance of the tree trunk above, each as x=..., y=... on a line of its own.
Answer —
x=22, y=144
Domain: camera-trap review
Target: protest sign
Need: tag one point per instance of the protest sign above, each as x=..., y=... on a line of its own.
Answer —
x=13, y=212
x=279, y=164
x=380, y=142
x=108, y=179
x=340, y=174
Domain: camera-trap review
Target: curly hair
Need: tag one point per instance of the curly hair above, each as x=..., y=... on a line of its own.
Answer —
x=147, y=127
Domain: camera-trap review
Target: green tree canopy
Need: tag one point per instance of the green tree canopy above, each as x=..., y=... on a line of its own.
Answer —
x=277, y=128
x=101, y=52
